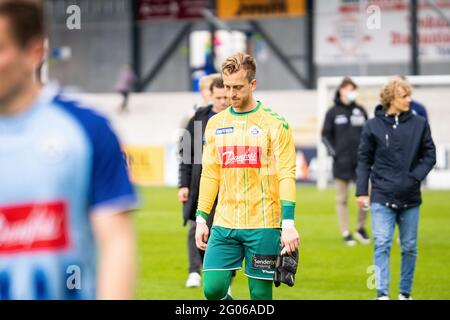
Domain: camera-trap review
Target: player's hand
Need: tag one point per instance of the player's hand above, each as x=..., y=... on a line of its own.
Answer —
x=183, y=194
x=363, y=202
x=289, y=240
x=201, y=235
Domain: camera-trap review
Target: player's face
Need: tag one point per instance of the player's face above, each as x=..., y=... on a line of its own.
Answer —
x=402, y=101
x=17, y=64
x=220, y=99
x=347, y=93
x=206, y=94
x=238, y=89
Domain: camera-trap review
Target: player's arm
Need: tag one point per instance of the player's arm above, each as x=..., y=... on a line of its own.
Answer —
x=366, y=152
x=112, y=197
x=427, y=155
x=186, y=154
x=116, y=271
x=285, y=157
x=328, y=133
x=209, y=187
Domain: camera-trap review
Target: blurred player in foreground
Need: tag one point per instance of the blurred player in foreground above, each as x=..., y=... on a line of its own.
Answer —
x=249, y=158
x=64, y=186
x=396, y=152
x=190, y=170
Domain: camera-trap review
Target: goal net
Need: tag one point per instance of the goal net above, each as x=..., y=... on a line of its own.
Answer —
x=431, y=91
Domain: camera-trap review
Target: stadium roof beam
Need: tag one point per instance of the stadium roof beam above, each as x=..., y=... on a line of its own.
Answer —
x=279, y=53
x=415, y=63
x=136, y=57
x=165, y=56
x=212, y=19
x=310, y=32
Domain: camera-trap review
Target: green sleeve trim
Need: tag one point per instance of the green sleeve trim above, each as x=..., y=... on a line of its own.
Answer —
x=287, y=210
x=202, y=214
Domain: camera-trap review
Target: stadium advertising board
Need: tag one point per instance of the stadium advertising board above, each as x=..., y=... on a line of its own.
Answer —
x=377, y=31
x=171, y=9
x=145, y=164
x=235, y=9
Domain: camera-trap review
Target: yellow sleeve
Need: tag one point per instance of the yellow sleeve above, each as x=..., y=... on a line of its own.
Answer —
x=210, y=179
x=285, y=158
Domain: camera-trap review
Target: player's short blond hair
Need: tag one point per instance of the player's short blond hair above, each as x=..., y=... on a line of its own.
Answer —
x=389, y=90
x=240, y=61
x=205, y=81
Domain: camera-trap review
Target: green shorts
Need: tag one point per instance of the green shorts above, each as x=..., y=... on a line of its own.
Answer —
x=227, y=248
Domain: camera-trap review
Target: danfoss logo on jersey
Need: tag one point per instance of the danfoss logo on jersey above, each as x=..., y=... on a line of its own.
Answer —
x=33, y=227
x=240, y=157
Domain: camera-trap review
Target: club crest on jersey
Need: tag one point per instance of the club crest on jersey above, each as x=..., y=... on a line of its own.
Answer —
x=226, y=130
x=240, y=156
x=53, y=149
x=33, y=227
x=254, y=131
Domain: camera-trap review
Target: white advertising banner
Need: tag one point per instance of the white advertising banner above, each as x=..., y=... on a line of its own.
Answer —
x=378, y=31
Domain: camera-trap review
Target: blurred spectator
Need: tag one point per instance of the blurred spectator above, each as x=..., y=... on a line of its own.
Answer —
x=340, y=134
x=416, y=107
x=125, y=84
x=205, y=92
x=419, y=109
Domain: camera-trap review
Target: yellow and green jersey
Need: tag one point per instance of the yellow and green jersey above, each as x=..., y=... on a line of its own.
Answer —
x=249, y=158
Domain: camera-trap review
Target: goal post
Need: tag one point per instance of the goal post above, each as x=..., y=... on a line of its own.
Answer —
x=432, y=90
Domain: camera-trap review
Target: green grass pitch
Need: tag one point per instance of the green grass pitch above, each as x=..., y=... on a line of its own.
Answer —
x=327, y=269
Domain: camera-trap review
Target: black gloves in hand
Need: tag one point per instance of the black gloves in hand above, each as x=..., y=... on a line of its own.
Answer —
x=285, y=269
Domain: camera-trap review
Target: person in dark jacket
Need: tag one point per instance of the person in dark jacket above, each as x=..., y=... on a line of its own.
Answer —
x=340, y=134
x=190, y=170
x=396, y=153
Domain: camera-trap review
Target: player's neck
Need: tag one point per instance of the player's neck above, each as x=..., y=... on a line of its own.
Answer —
x=252, y=104
x=216, y=109
x=392, y=111
x=21, y=100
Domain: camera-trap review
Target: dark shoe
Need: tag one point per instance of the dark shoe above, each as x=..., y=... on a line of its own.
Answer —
x=348, y=239
x=362, y=236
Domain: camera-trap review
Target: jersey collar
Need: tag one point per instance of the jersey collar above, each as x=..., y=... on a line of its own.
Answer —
x=245, y=113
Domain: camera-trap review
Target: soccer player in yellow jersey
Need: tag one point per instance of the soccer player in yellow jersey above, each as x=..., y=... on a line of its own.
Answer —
x=249, y=159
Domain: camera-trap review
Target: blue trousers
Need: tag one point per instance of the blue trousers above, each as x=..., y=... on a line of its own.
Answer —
x=383, y=225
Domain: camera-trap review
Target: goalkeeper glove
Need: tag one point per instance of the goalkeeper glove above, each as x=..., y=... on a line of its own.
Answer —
x=285, y=269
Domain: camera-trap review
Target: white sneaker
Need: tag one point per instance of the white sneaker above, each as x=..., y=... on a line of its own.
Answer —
x=402, y=296
x=194, y=280
x=383, y=297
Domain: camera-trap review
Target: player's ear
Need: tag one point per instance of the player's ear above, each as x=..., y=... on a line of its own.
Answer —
x=35, y=50
x=253, y=84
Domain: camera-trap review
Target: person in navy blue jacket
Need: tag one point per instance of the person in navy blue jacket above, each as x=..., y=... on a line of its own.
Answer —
x=396, y=153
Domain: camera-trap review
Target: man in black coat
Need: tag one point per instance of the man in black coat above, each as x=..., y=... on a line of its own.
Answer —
x=396, y=153
x=340, y=134
x=190, y=170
